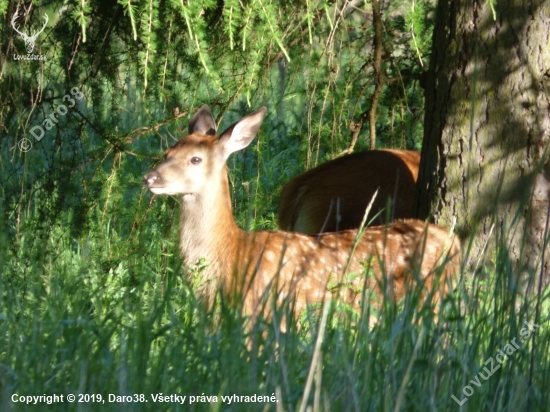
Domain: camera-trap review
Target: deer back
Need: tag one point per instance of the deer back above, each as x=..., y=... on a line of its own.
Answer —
x=334, y=195
x=385, y=260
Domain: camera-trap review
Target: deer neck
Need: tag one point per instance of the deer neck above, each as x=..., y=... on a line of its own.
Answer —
x=208, y=229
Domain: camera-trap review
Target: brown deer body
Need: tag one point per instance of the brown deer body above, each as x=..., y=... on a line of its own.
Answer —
x=304, y=268
x=334, y=195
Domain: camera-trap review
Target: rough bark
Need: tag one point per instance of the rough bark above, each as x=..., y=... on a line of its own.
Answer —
x=487, y=126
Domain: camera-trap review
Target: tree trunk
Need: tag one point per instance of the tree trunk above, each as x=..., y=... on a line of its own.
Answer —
x=487, y=126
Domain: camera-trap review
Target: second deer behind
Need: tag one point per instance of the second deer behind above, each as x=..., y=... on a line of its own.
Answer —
x=334, y=195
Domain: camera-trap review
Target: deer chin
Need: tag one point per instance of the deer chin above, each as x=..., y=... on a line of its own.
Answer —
x=163, y=191
x=189, y=197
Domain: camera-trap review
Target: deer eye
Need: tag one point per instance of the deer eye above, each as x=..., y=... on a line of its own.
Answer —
x=196, y=160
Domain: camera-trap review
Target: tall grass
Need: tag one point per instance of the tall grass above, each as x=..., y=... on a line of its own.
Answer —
x=107, y=309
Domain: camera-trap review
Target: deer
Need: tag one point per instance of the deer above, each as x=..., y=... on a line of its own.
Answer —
x=290, y=266
x=29, y=40
x=334, y=195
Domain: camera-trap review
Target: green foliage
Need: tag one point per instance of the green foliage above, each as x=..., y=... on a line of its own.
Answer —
x=416, y=23
x=113, y=314
x=130, y=10
x=149, y=22
x=79, y=14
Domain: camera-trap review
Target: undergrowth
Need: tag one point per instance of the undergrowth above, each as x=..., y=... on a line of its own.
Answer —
x=110, y=314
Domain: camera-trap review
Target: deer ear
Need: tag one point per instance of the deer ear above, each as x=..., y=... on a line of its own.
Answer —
x=203, y=122
x=239, y=135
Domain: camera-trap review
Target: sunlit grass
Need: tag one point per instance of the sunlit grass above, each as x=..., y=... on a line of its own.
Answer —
x=105, y=315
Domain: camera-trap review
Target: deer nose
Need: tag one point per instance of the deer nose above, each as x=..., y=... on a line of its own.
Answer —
x=150, y=178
